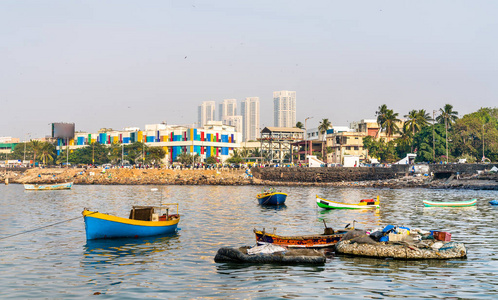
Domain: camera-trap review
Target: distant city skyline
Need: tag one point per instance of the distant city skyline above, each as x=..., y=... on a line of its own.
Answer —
x=102, y=64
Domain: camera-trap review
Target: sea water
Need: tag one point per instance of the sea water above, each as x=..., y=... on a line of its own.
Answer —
x=57, y=262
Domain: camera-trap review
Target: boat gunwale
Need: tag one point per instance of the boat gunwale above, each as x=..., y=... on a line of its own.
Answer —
x=48, y=187
x=347, y=205
x=264, y=195
x=463, y=203
x=296, y=237
x=116, y=219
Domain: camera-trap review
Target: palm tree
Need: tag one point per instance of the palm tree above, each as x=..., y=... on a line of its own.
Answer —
x=411, y=124
x=46, y=152
x=416, y=121
x=381, y=116
x=323, y=127
x=390, y=123
x=423, y=118
x=35, y=147
x=447, y=116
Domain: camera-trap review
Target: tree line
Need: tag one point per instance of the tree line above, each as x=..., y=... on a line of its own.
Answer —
x=95, y=154
x=442, y=137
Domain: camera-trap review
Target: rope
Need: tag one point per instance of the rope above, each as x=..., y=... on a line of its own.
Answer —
x=35, y=229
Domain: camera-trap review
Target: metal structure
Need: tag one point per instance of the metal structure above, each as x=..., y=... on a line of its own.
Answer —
x=276, y=143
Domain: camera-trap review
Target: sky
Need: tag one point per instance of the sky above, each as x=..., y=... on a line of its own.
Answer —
x=116, y=64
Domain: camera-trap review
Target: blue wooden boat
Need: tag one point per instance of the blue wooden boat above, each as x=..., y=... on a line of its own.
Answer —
x=48, y=187
x=143, y=221
x=493, y=202
x=271, y=197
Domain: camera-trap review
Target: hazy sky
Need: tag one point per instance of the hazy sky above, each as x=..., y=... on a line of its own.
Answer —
x=116, y=64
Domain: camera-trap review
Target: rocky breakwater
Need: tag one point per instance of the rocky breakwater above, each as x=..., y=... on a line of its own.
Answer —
x=324, y=175
x=132, y=176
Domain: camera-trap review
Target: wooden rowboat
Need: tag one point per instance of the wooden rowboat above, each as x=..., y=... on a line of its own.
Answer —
x=143, y=221
x=464, y=203
x=271, y=198
x=48, y=187
x=300, y=241
x=363, y=204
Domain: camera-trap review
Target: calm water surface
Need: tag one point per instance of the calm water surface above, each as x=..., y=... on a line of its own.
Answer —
x=58, y=262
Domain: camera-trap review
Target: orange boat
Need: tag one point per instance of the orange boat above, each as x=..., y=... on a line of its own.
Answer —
x=299, y=241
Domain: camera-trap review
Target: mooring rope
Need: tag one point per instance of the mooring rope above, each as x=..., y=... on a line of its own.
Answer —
x=38, y=228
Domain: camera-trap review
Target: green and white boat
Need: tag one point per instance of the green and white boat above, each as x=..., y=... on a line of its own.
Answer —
x=464, y=203
x=363, y=204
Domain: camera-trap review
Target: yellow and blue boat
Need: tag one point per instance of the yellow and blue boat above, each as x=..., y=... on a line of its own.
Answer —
x=271, y=197
x=143, y=221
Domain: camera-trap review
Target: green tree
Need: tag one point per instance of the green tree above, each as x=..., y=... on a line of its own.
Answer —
x=423, y=142
x=469, y=131
x=155, y=155
x=323, y=127
x=47, y=153
x=447, y=117
x=35, y=147
x=390, y=123
x=115, y=153
x=211, y=160
x=300, y=125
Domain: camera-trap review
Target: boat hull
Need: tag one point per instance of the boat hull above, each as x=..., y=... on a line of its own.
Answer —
x=102, y=226
x=327, y=204
x=302, y=241
x=272, y=198
x=450, y=204
x=48, y=187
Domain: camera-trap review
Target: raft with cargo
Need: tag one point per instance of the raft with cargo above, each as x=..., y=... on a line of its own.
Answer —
x=401, y=243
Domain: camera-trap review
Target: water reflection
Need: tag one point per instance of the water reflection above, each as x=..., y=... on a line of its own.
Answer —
x=126, y=251
x=272, y=207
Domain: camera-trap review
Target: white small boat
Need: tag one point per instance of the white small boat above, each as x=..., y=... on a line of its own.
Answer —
x=48, y=187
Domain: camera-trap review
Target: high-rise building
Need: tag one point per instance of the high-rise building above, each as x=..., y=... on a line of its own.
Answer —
x=250, y=118
x=284, y=109
x=227, y=108
x=235, y=121
x=206, y=112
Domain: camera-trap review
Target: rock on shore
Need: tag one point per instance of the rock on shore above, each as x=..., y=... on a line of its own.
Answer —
x=224, y=177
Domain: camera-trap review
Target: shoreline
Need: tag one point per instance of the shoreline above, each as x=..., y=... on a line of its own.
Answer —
x=232, y=177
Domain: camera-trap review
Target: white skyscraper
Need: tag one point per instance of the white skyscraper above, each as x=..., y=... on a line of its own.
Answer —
x=235, y=121
x=206, y=112
x=284, y=108
x=250, y=118
x=227, y=108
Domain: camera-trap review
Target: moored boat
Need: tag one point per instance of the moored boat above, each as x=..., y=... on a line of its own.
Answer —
x=48, y=187
x=463, y=203
x=363, y=204
x=271, y=197
x=299, y=241
x=143, y=221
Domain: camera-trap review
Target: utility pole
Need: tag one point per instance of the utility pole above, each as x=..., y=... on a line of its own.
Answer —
x=433, y=139
x=483, y=157
x=306, y=138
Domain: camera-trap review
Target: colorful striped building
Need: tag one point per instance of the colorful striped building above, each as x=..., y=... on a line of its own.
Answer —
x=214, y=139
